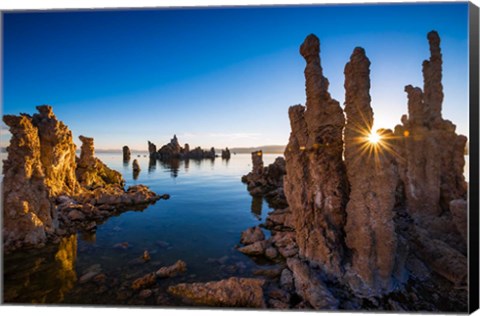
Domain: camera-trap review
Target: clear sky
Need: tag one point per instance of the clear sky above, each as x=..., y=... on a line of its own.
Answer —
x=219, y=77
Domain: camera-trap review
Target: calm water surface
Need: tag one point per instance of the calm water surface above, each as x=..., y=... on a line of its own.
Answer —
x=200, y=224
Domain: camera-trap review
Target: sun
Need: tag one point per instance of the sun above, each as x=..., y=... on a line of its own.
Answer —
x=374, y=138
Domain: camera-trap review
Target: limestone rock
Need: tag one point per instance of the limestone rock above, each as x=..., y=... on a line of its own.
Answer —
x=310, y=287
x=226, y=153
x=232, y=292
x=251, y=235
x=57, y=152
x=171, y=271
x=126, y=153
x=315, y=183
x=91, y=172
x=152, y=149
x=459, y=209
x=27, y=211
x=372, y=174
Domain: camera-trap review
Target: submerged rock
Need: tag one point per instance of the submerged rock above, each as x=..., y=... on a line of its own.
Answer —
x=171, y=271
x=232, y=292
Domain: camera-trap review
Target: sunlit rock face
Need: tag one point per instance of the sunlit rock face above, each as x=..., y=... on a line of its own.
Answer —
x=57, y=152
x=27, y=212
x=92, y=172
x=316, y=183
x=373, y=177
x=431, y=163
x=46, y=194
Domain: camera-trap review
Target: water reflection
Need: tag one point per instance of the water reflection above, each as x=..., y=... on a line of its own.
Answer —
x=135, y=174
x=256, y=207
x=152, y=165
x=41, y=275
x=173, y=165
x=187, y=165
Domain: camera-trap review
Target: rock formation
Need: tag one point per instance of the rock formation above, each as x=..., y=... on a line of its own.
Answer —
x=173, y=151
x=126, y=153
x=372, y=174
x=389, y=223
x=232, y=292
x=48, y=192
x=27, y=212
x=92, y=172
x=316, y=182
x=152, y=149
x=226, y=153
x=431, y=162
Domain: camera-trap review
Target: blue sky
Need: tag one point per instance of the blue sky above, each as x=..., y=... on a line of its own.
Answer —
x=219, y=77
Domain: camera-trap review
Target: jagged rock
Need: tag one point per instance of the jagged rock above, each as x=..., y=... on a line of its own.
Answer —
x=27, y=211
x=144, y=282
x=232, y=292
x=46, y=194
x=91, y=172
x=372, y=174
x=286, y=280
x=280, y=219
x=251, y=235
x=226, y=153
x=309, y=286
x=57, y=152
x=152, y=149
x=315, y=181
x=171, y=271
x=255, y=249
x=267, y=181
x=126, y=153
x=459, y=209
x=271, y=253
x=171, y=150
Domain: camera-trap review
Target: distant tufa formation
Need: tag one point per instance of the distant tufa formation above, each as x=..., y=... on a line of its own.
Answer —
x=48, y=191
x=173, y=150
x=364, y=216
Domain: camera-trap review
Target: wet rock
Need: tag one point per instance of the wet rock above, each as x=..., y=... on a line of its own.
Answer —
x=255, y=249
x=315, y=182
x=88, y=276
x=277, y=304
x=146, y=256
x=272, y=273
x=173, y=270
x=232, y=292
x=144, y=282
x=251, y=235
x=309, y=286
x=373, y=179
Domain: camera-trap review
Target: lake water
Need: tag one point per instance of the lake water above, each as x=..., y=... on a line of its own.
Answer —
x=200, y=224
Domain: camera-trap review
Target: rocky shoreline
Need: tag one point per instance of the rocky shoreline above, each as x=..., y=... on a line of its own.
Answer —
x=49, y=193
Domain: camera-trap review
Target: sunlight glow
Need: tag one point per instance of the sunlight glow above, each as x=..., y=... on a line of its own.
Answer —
x=374, y=138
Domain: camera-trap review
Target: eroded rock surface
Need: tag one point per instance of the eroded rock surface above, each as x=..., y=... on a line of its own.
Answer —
x=232, y=292
x=315, y=182
x=48, y=192
x=373, y=177
x=126, y=153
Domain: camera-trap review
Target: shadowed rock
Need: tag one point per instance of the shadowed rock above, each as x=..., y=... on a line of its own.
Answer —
x=226, y=153
x=372, y=174
x=126, y=153
x=315, y=181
